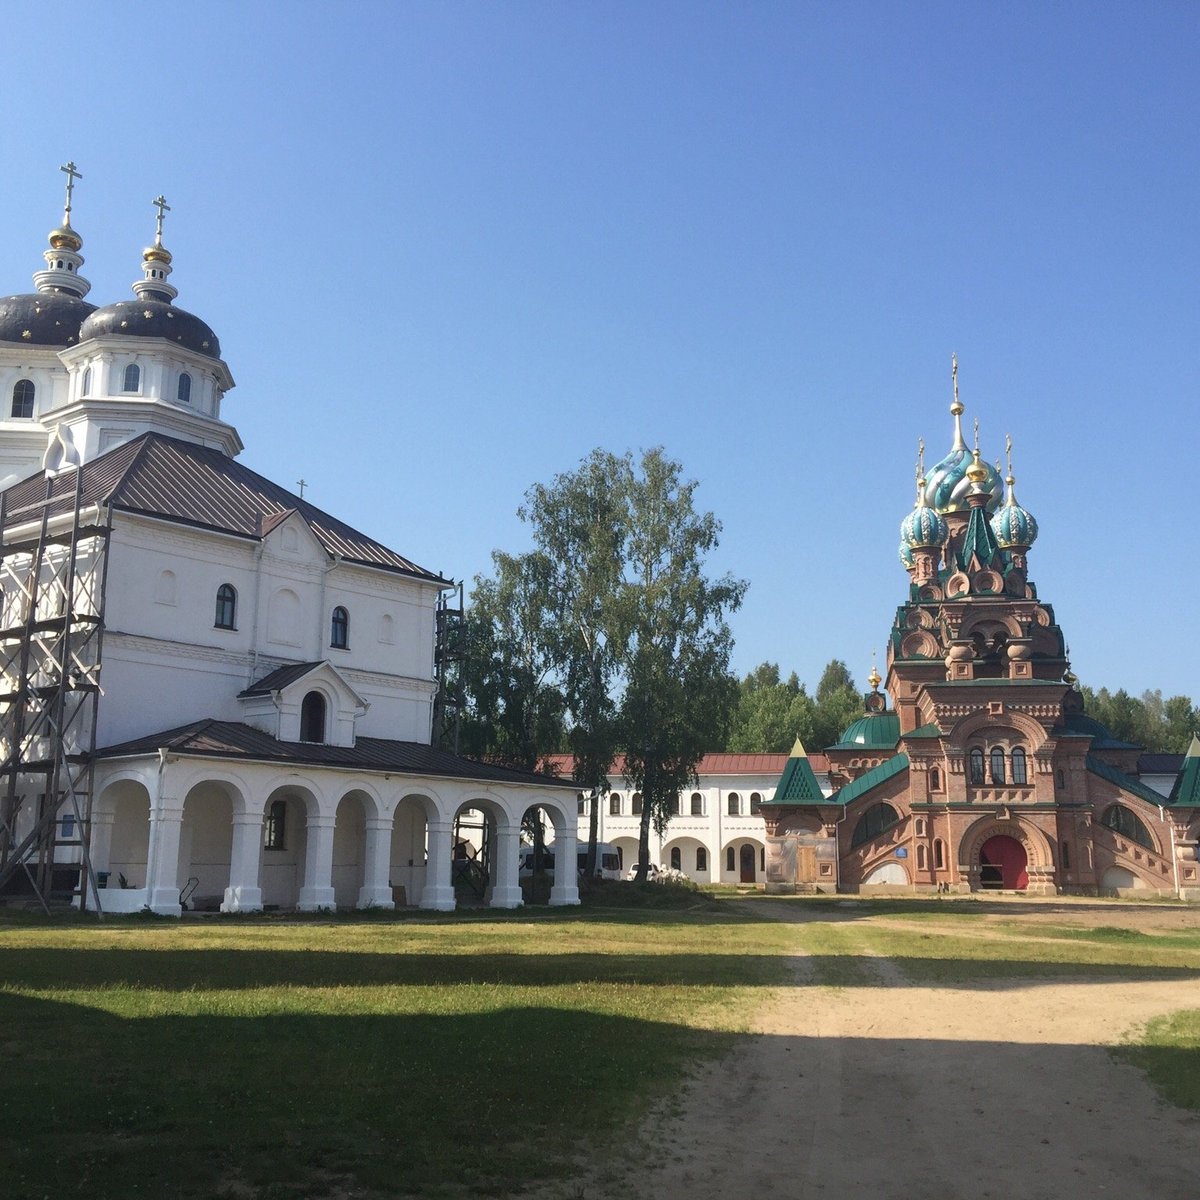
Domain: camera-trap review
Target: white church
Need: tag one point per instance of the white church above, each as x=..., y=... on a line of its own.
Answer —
x=225, y=692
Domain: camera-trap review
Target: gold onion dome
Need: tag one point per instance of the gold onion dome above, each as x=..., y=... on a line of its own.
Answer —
x=978, y=471
x=874, y=679
x=156, y=253
x=65, y=238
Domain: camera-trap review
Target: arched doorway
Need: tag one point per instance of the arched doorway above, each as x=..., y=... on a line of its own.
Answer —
x=1003, y=865
x=746, y=862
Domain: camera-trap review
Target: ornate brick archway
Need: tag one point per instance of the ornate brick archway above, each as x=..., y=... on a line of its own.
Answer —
x=1038, y=854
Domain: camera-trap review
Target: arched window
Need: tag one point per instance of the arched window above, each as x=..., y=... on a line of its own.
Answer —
x=873, y=822
x=676, y=800
x=226, y=607
x=755, y=803
x=939, y=853
x=183, y=393
x=339, y=629
x=87, y=382
x=614, y=804
x=133, y=378
x=730, y=859
x=701, y=859
x=697, y=805
x=676, y=859
x=976, y=765
x=312, y=718
x=1066, y=856
x=1062, y=779
x=935, y=779
x=997, y=764
x=734, y=805
x=22, y=400
x=636, y=804
x=1019, y=772
x=922, y=857
x=1127, y=823
x=276, y=833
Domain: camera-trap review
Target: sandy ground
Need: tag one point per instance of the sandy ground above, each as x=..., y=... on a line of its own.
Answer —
x=896, y=1092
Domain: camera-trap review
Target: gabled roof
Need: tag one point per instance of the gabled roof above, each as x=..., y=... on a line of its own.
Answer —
x=278, y=679
x=1186, y=789
x=869, y=780
x=235, y=740
x=798, y=784
x=1125, y=782
x=197, y=485
x=925, y=731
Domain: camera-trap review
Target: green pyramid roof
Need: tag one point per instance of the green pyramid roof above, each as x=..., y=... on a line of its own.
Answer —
x=1186, y=789
x=798, y=784
x=979, y=541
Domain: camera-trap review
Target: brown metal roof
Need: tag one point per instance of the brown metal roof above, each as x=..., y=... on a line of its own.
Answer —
x=198, y=485
x=279, y=679
x=233, y=739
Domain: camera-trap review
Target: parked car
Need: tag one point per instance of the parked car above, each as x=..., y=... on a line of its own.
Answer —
x=652, y=872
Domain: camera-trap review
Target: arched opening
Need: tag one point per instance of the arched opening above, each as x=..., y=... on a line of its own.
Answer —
x=755, y=803
x=349, y=848
x=697, y=804
x=285, y=848
x=540, y=854
x=876, y=820
x=410, y=850
x=976, y=765
x=1020, y=772
x=614, y=804
x=312, y=717
x=1003, y=864
x=339, y=629
x=472, y=854
x=997, y=764
x=86, y=390
x=688, y=855
x=226, y=615
x=183, y=393
x=676, y=858
x=1120, y=879
x=734, y=804
x=120, y=846
x=1126, y=822
x=132, y=378
x=205, y=846
x=22, y=398
x=627, y=854
x=748, y=872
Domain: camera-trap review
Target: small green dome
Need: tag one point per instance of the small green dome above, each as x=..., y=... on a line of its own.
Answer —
x=878, y=731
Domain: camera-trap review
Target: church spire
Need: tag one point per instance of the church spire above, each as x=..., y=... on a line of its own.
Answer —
x=156, y=263
x=956, y=408
x=63, y=259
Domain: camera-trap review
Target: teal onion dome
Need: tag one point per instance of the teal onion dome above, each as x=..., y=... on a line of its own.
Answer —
x=947, y=485
x=923, y=526
x=906, y=556
x=1013, y=525
x=876, y=731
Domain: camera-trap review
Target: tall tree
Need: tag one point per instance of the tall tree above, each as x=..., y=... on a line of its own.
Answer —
x=678, y=692
x=581, y=527
x=515, y=706
x=838, y=703
x=770, y=713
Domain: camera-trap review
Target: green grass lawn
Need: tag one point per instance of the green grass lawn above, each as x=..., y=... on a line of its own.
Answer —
x=434, y=1057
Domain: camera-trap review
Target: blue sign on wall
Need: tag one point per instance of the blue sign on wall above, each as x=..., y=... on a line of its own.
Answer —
x=901, y=852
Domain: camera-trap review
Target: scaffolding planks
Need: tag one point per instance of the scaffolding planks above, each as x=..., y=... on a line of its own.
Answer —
x=53, y=576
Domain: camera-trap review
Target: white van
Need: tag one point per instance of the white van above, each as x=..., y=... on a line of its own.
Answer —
x=608, y=861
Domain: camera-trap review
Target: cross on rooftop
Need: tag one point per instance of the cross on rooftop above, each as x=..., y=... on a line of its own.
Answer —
x=72, y=174
x=163, y=207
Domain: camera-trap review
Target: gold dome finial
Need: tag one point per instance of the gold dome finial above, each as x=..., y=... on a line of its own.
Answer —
x=158, y=252
x=874, y=678
x=956, y=409
x=65, y=238
x=920, y=471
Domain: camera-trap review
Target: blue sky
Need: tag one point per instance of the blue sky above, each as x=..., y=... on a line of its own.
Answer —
x=450, y=248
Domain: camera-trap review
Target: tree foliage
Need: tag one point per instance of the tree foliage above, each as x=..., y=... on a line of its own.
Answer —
x=1148, y=720
x=771, y=712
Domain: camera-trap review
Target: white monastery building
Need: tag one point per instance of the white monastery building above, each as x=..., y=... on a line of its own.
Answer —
x=225, y=692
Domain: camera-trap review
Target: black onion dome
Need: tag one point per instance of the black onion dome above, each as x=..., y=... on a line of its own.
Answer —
x=43, y=318
x=152, y=318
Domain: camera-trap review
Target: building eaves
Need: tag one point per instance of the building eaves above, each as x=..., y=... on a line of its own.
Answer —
x=869, y=780
x=1125, y=782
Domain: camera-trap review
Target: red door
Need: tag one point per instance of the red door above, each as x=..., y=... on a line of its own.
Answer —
x=1002, y=863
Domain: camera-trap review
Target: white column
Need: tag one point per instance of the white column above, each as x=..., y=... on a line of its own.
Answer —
x=244, y=894
x=438, y=892
x=100, y=850
x=162, y=871
x=317, y=892
x=506, y=890
x=376, y=891
x=565, y=889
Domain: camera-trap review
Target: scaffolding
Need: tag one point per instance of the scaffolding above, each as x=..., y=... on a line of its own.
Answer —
x=447, y=669
x=53, y=567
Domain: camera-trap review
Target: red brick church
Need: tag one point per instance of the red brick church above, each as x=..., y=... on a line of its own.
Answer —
x=977, y=768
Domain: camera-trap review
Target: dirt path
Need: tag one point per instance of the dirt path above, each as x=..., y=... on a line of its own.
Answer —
x=900, y=1092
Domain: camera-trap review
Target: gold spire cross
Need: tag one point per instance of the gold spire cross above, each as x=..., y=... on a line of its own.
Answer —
x=72, y=174
x=163, y=207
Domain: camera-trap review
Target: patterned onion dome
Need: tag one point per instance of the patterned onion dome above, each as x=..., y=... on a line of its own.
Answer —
x=947, y=485
x=906, y=556
x=1013, y=525
x=923, y=527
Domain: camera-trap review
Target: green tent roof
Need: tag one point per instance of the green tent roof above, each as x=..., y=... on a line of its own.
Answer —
x=1186, y=789
x=798, y=784
x=871, y=779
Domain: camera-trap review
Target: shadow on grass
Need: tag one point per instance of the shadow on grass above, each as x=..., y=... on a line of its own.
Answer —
x=70, y=968
x=289, y=1105
x=853, y=908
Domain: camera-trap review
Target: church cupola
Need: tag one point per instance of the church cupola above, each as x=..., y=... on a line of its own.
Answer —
x=923, y=532
x=52, y=315
x=156, y=264
x=1014, y=527
x=947, y=486
x=978, y=550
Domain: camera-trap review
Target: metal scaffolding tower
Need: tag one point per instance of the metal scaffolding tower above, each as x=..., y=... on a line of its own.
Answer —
x=53, y=565
x=447, y=664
